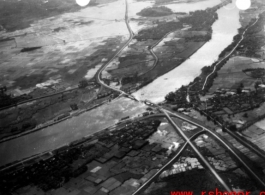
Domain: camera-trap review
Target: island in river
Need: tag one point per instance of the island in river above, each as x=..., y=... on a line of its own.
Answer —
x=152, y=39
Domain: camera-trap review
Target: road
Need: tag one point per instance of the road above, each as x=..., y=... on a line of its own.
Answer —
x=188, y=142
x=153, y=53
x=242, y=140
x=166, y=112
x=167, y=165
x=179, y=131
x=216, y=136
x=242, y=37
x=247, y=168
x=195, y=149
x=98, y=75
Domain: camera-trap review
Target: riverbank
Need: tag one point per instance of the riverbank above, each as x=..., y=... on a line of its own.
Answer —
x=69, y=130
x=88, y=138
x=224, y=29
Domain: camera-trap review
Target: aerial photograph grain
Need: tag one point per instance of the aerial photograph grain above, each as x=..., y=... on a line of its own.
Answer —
x=132, y=97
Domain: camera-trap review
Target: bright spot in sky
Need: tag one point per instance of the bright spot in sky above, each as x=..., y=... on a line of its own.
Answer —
x=82, y=2
x=243, y=4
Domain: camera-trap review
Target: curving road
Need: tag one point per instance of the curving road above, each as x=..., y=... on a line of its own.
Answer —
x=195, y=149
x=242, y=141
x=166, y=112
x=247, y=168
x=153, y=53
x=228, y=55
x=98, y=76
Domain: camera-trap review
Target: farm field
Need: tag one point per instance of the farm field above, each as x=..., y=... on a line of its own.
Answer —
x=62, y=48
x=256, y=134
x=231, y=75
x=245, y=117
x=35, y=114
x=169, y=38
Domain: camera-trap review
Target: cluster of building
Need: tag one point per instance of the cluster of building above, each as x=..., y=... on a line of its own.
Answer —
x=232, y=103
x=216, y=156
x=106, y=163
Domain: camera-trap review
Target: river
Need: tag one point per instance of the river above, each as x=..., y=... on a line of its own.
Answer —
x=90, y=122
x=224, y=29
x=69, y=130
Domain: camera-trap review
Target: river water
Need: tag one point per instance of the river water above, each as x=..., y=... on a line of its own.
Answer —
x=69, y=130
x=224, y=29
x=90, y=122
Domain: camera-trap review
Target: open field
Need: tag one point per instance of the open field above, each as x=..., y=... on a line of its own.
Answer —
x=177, y=49
x=206, y=55
x=248, y=116
x=166, y=136
x=15, y=15
x=231, y=75
x=54, y=54
x=35, y=114
x=256, y=134
x=254, y=41
x=69, y=130
x=62, y=48
x=171, y=41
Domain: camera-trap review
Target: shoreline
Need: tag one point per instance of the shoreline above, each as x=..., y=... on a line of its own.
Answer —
x=73, y=143
x=201, y=59
x=38, y=129
x=48, y=125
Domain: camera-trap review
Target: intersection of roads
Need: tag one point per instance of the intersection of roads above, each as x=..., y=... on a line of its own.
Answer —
x=188, y=141
x=169, y=115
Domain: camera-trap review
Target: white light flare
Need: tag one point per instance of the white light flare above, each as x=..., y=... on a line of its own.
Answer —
x=243, y=4
x=82, y=2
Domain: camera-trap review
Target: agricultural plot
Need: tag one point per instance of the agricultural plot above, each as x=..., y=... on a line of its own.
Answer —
x=231, y=74
x=248, y=116
x=32, y=115
x=134, y=60
x=256, y=134
x=161, y=30
x=62, y=48
x=177, y=49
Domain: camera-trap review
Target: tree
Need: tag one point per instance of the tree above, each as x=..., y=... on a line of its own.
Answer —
x=170, y=97
x=233, y=127
x=239, y=90
x=257, y=86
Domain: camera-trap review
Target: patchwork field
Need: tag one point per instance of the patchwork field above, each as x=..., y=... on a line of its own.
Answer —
x=171, y=38
x=231, y=75
x=62, y=48
x=256, y=134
